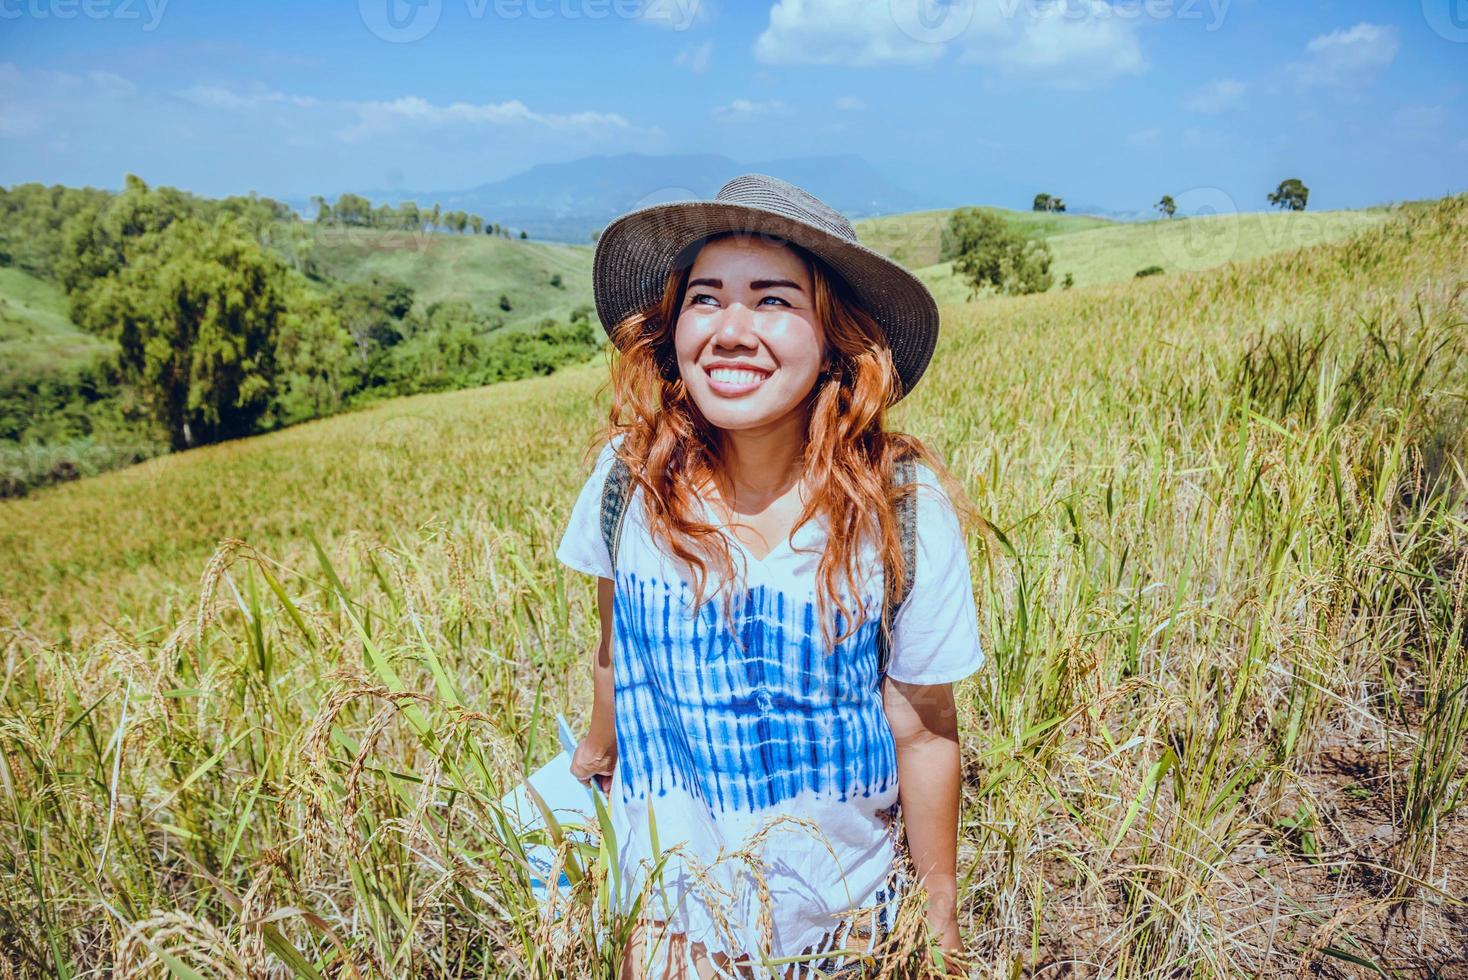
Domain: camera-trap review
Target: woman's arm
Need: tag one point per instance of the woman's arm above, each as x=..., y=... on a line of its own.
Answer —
x=596, y=755
x=925, y=729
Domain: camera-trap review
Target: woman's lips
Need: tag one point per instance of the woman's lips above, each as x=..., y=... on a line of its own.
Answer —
x=734, y=381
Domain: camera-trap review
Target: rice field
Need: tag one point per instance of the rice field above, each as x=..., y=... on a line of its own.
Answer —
x=260, y=699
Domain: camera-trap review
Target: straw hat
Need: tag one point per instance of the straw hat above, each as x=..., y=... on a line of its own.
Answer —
x=636, y=252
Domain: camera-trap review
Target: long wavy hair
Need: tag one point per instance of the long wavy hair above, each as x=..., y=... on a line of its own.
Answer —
x=671, y=449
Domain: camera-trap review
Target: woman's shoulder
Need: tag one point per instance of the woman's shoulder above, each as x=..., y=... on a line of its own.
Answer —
x=607, y=455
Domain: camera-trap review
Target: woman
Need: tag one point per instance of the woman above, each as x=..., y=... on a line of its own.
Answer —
x=759, y=751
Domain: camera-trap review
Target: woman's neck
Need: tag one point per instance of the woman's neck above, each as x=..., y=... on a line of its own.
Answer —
x=762, y=463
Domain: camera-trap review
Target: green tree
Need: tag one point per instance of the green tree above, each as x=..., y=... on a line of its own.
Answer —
x=1167, y=206
x=1291, y=195
x=989, y=252
x=313, y=351
x=195, y=312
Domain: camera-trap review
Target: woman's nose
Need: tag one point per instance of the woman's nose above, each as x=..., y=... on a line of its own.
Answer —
x=736, y=325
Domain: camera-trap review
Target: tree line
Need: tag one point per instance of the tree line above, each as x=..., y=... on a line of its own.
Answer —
x=219, y=335
x=354, y=211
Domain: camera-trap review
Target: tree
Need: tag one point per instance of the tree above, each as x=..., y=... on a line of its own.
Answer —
x=1290, y=194
x=991, y=253
x=1167, y=206
x=523, y=234
x=195, y=313
x=1047, y=202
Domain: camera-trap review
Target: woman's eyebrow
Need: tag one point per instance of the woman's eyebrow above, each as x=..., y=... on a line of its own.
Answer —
x=713, y=283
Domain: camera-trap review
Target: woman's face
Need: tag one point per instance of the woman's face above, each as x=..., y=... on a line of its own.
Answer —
x=748, y=342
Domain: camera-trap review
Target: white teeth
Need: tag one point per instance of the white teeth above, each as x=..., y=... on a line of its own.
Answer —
x=731, y=376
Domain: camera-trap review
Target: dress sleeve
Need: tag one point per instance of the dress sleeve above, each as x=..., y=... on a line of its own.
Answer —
x=935, y=639
x=582, y=546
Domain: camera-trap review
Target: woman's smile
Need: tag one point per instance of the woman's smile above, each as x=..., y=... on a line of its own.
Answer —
x=732, y=380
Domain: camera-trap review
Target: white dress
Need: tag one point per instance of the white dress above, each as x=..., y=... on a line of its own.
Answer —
x=758, y=766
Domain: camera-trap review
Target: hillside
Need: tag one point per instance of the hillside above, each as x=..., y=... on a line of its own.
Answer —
x=477, y=269
x=36, y=338
x=1115, y=252
x=914, y=239
x=1221, y=602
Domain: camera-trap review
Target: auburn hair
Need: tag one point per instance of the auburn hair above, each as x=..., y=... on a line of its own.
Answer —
x=847, y=461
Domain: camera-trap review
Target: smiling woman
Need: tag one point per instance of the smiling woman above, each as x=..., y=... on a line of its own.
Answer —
x=781, y=768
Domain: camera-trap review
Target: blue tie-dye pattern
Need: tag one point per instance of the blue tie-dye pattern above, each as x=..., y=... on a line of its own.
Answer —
x=744, y=728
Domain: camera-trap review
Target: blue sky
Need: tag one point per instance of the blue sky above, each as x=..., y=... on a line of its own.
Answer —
x=1108, y=105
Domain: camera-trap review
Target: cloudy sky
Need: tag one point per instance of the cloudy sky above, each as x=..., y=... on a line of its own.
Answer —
x=981, y=101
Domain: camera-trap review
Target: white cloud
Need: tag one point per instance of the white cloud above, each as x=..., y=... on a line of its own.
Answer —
x=1067, y=43
x=1217, y=96
x=29, y=96
x=214, y=97
x=411, y=111
x=743, y=110
x=1345, y=57
x=381, y=117
x=696, y=57
x=850, y=103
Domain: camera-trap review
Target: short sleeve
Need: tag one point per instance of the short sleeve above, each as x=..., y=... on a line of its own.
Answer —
x=582, y=546
x=935, y=639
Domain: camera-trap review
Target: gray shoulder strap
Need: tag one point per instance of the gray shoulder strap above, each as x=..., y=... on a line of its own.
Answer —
x=615, y=493
x=903, y=473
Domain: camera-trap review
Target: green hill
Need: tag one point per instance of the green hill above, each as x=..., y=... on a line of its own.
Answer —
x=36, y=338
x=477, y=269
x=914, y=238
x=1116, y=252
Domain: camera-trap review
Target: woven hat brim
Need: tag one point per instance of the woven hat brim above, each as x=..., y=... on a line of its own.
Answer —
x=636, y=251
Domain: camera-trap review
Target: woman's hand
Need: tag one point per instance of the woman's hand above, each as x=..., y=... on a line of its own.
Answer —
x=594, y=760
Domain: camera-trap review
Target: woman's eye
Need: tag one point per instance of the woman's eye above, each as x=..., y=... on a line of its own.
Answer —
x=697, y=297
x=777, y=299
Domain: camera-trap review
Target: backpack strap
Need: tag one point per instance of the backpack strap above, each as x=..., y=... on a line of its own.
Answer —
x=904, y=472
x=615, y=493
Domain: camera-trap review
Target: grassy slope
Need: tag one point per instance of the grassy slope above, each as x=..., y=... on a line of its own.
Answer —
x=35, y=334
x=1116, y=252
x=1178, y=577
x=474, y=268
x=165, y=515
x=913, y=238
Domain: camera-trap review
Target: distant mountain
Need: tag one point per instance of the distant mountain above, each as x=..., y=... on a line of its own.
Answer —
x=1096, y=211
x=566, y=202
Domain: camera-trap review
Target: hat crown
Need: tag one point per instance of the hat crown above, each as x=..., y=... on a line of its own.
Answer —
x=782, y=197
